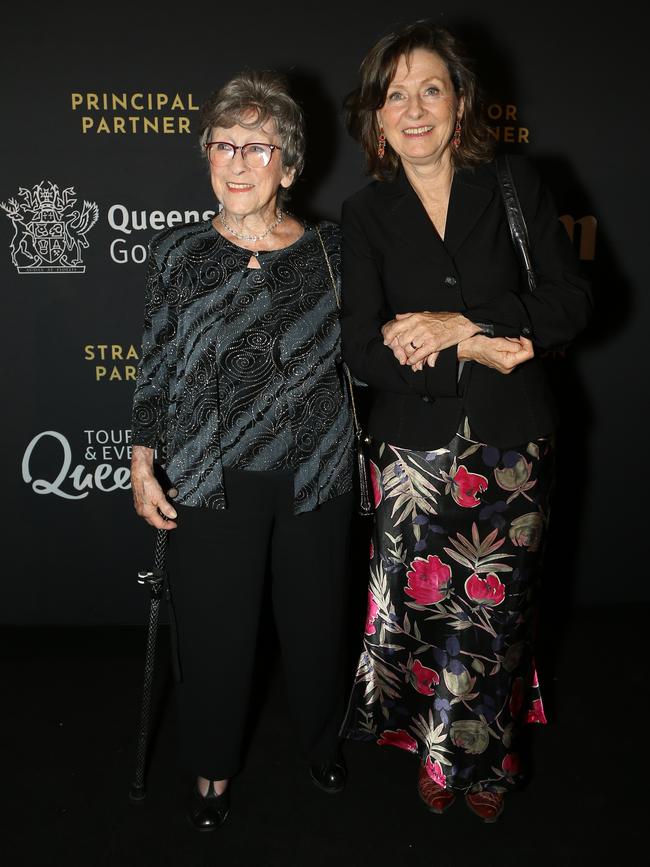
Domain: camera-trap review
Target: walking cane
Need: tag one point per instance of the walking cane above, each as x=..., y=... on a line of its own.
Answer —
x=156, y=582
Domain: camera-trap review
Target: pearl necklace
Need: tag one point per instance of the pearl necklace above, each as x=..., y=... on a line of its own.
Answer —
x=279, y=217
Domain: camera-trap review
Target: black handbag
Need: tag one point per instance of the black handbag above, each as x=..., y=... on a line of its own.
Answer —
x=516, y=220
x=365, y=505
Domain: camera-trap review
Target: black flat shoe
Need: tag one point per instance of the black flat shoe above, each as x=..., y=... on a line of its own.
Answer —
x=329, y=776
x=207, y=812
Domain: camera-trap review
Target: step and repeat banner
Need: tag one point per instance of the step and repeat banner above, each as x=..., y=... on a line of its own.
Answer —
x=99, y=152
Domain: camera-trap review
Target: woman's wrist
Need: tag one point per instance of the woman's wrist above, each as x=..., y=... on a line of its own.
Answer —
x=142, y=458
x=465, y=348
x=467, y=328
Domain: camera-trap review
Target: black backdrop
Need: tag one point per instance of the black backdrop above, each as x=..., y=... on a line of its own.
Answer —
x=560, y=82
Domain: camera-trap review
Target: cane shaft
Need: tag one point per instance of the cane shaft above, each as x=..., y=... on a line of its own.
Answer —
x=155, y=581
x=145, y=711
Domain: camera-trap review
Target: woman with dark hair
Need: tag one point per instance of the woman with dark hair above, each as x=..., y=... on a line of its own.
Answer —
x=435, y=320
x=239, y=386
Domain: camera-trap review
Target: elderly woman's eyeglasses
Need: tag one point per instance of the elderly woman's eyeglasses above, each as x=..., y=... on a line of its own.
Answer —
x=256, y=155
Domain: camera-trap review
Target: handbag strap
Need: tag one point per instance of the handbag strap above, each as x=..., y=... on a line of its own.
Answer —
x=357, y=427
x=516, y=221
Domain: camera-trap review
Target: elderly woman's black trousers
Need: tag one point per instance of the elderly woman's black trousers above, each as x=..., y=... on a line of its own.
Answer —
x=219, y=561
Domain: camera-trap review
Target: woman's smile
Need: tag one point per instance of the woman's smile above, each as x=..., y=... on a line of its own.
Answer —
x=234, y=187
x=417, y=131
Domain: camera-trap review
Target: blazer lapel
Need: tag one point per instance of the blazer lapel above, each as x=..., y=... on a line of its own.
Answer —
x=410, y=221
x=471, y=193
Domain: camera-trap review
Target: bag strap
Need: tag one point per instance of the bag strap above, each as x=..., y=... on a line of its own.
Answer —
x=516, y=221
x=365, y=505
x=357, y=427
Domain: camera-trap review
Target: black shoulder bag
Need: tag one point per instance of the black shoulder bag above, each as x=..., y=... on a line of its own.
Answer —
x=365, y=506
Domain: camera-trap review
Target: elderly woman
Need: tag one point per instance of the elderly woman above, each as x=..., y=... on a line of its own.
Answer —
x=239, y=383
x=435, y=320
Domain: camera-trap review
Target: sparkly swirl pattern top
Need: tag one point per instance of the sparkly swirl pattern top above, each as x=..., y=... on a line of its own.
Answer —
x=240, y=367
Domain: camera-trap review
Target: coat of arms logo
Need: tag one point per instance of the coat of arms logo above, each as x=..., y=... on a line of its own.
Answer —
x=49, y=232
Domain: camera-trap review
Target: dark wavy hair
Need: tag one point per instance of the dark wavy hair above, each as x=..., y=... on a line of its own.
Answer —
x=375, y=75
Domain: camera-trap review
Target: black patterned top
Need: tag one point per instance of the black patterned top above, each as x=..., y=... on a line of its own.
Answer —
x=240, y=366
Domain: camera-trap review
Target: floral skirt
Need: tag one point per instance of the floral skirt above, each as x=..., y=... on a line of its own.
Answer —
x=447, y=667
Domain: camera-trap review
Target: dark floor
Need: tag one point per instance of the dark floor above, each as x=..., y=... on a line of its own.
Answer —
x=71, y=706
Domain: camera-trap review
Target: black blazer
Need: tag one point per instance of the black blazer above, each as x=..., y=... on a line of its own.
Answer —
x=395, y=262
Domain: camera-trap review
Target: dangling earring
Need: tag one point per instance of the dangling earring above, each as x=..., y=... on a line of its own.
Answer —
x=381, y=148
x=457, y=131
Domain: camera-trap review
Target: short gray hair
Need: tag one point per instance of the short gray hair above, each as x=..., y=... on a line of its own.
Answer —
x=266, y=93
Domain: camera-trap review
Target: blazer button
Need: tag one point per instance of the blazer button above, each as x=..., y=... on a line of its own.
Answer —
x=526, y=331
x=451, y=281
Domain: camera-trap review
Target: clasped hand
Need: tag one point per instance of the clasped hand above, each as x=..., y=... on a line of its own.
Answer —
x=416, y=339
x=503, y=354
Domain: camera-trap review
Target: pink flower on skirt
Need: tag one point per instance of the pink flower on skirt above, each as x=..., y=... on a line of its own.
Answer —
x=511, y=765
x=428, y=580
x=434, y=770
x=423, y=678
x=373, y=611
x=486, y=591
x=536, y=712
x=466, y=486
x=399, y=738
x=375, y=481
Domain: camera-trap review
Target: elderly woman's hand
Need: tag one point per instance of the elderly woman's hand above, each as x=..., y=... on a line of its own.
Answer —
x=499, y=353
x=148, y=497
x=417, y=337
